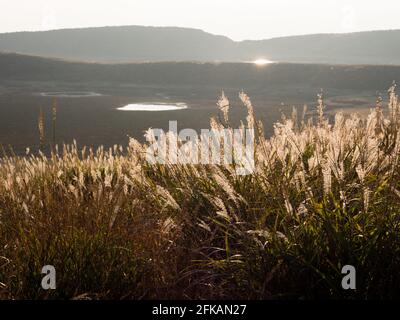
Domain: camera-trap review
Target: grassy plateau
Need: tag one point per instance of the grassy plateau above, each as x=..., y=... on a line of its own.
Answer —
x=323, y=194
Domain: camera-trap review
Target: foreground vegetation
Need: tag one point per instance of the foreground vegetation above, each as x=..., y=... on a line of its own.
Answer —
x=323, y=195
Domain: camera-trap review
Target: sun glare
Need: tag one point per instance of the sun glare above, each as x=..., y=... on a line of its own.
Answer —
x=262, y=62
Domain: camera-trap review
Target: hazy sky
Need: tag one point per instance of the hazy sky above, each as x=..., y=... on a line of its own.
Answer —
x=237, y=19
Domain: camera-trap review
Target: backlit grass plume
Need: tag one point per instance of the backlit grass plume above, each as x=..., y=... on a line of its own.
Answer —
x=321, y=196
x=41, y=129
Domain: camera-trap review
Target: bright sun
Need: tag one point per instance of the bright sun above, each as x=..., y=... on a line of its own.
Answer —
x=262, y=62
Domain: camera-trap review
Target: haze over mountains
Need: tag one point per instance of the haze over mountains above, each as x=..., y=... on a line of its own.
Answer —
x=138, y=44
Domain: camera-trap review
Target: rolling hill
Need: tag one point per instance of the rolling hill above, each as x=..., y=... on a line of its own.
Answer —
x=16, y=67
x=139, y=43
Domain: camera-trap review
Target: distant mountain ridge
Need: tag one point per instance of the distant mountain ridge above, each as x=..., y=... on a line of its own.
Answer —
x=139, y=44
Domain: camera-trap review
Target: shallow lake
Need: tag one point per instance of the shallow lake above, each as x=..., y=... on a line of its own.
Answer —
x=70, y=94
x=92, y=114
x=153, y=107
